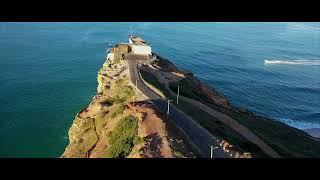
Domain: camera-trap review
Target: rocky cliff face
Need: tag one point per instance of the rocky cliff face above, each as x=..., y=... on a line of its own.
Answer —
x=112, y=126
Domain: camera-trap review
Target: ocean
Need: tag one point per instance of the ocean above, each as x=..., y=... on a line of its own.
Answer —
x=48, y=72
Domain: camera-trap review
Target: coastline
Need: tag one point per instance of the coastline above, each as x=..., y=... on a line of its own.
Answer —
x=264, y=136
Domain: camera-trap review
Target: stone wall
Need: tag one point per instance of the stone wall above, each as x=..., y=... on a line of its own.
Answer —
x=120, y=50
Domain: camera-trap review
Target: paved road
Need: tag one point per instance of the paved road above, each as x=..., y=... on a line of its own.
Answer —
x=199, y=136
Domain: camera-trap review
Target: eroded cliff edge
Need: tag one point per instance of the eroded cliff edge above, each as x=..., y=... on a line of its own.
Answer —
x=120, y=123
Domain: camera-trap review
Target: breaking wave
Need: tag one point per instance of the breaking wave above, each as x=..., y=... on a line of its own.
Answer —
x=299, y=124
x=294, y=62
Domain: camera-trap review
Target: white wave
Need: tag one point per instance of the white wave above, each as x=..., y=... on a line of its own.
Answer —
x=299, y=124
x=294, y=62
x=303, y=26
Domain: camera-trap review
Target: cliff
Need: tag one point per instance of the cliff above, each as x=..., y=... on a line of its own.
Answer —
x=115, y=127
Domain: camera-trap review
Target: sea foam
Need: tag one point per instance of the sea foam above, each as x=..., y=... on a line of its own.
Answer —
x=294, y=62
x=299, y=124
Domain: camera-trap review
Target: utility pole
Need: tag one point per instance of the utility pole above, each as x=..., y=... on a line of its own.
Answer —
x=136, y=85
x=178, y=95
x=136, y=91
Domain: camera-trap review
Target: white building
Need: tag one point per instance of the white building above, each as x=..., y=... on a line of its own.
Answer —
x=139, y=46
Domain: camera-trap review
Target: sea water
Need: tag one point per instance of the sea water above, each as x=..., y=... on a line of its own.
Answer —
x=48, y=72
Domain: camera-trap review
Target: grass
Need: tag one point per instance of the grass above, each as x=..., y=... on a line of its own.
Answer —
x=109, y=101
x=138, y=140
x=123, y=138
x=119, y=110
x=100, y=121
x=123, y=93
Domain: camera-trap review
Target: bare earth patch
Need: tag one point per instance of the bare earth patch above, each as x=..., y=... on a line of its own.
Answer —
x=161, y=139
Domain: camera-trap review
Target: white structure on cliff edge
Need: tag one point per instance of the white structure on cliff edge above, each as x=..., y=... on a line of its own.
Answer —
x=139, y=46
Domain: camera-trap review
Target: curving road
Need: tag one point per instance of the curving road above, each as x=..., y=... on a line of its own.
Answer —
x=199, y=136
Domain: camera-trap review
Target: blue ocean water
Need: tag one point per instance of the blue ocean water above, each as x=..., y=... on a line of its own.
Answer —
x=48, y=72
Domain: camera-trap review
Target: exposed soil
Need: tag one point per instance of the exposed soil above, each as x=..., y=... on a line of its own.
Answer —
x=162, y=139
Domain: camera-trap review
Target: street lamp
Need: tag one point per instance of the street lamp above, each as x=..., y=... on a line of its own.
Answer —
x=135, y=94
x=212, y=149
x=178, y=95
x=168, y=110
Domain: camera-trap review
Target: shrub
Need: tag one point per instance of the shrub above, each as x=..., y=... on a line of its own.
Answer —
x=178, y=154
x=122, y=138
x=137, y=140
x=118, y=111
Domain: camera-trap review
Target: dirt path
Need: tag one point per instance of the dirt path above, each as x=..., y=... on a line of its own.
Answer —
x=235, y=125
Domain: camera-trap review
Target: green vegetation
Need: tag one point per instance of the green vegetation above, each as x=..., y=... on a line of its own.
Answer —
x=123, y=138
x=119, y=110
x=109, y=101
x=138, y=140
x=178, y=154
x=100, y=121
x=124, y=93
